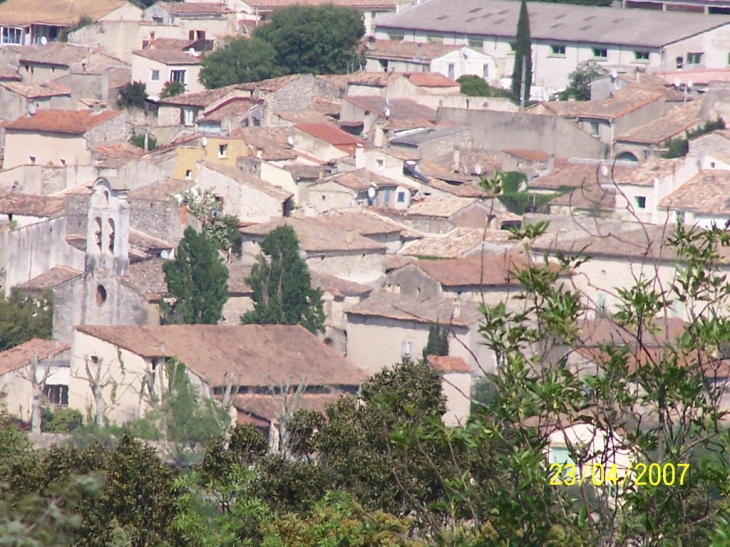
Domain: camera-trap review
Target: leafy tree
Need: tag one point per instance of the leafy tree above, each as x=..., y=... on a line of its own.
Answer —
x=23, y=317
x=678, y=147
x=197, y=280
x=474, y=86
x=438, y=341
x=221, y=229
x=138, y=140
x=172, y=89
x=240, y=60
x=523, y=56
x=282, y=287
x=510, y=189
x=579, y=81
x=313, y=39
x=64, y=420
x=133, y=95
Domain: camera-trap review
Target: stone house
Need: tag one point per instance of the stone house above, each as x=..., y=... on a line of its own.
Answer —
x=249, y=360
x=33, y=238
x=456, y=380
x=325, y=248
x=243, y=195
x=711, y=150
x=185, y=109
x=220, y=150
x=156, y=67
x=434, y=143
x=576, y=173
x=358, y=187
x=701, y=201
x=17, y=98
x=458, y=243
x=197, y=20
x=589, y=200
x=372, y=226
x=223, y=117
x=529, y=162
x=26, y=22
x=324, y=142
x=364, y=112
x=61, y=137
x=50, y=361
x=398, y=326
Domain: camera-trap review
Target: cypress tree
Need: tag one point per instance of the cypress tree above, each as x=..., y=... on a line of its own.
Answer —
x=438, y=341
x=282, y=287
x=523, y=53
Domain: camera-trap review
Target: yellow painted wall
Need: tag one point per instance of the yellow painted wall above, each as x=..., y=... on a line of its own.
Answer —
x=187, y=156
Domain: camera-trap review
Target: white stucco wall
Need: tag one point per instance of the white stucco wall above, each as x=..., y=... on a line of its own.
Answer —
x=457, y=388
x=58, y=149
x=142, y=68
x=16, y=388
x=358, y=266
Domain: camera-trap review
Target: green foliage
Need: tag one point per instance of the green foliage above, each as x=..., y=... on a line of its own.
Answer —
x=65, y=420
x=197, y=280
x=138, y=140
x=678, y=147
x=508, y=188
x=24, y=317
x=221, y=229
x=282, y=287
x=172, y=89
x=523, y=55
x=240, y=60
x=133, y=95
x=474, y=86
x=438, y=341
x=579, y=81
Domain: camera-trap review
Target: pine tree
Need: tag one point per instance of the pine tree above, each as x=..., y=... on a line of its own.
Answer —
x=198, y=280
x=523, y=53
x=282, y=287
x=438, y=341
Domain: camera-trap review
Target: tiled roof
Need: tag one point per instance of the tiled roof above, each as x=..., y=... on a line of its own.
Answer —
x=249, y=180
x=442, y=207
x=61, y=121
x=623, y=102
x=389, y=49
x=426, y=310
x=400, y=109
x=482, y=270
x=54, y=12
x=646, y=172
x=552, y=22
x=24, y=354
x=605, y=331
x=262, y=409
x=588, y=197
x=31, y=205
x=270, y=141
x=168, y=56
x=9, y=72
x=116, y=156
x=339, y=288
x=332, y=135
x=360, y=180
x=457, y=243
x=463, y=190
x=47, y=280
x=316, y=236
x=528, y=155
x=202, y=99
x=231, y=108
x=567, y=173
x=53, y=53
x=362, y=223
x=671, y=124
x=258, y=355
x=147, y=277
x=162, y=191
x=430, y=79
x=708, y=192
x=237, y=274
x=698, y=76
x=447, y=364
x=268, y=5
x=194, y=8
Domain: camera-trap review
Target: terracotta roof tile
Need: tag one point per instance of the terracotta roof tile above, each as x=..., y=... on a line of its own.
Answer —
x=430, y=79
x=203, y=98
x=528, y=155
x=588, y=197
x=231, y=108
x=258, y=355
x=646, y=172
x=671, y=124
x=54, y=12
x=61, y=121
x=605, y=331
x=405, y=308
x=268, y=5
x=37, y=90
x=442, y=207
x=699, y=76
x=168, y=56
x=54, y=53
x=50, y=279
x=194, y=8
x=332, y=135
x=400, y=109
x=575, y=173
x=485, y=270
x=623, y=102
x=389, y=49
x=458, y=243
x=337, y=287
x=162, y=191
x=360, y=180
x=270, y=141
x=708, y=192
x=24, y=354
x=249, y=180
x=262, y=409
x=447, y=364
x=31, y=205
x=362, y=223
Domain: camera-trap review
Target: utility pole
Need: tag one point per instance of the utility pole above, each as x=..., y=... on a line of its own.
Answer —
x=522, y=85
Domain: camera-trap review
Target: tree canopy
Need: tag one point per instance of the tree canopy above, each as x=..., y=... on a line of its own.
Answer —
x=282, y=286
x=523, y=56
x=197, y=279
x=24, y=317
x=295, y=40
x=579, y=81
x=474, y=86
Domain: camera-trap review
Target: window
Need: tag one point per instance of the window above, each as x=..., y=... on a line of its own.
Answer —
x=601, y=304
x=57, y=395
x=513, y=47
x=32, y=159
x=680, y=62
x=155, y=76
x=191, y=35
x=433, y=39
x=600, y=52
x=401, y=197
x=396, y=37
x=12, y=35
x=100, y=295
x=641, y=202
x=641, y=55
x=380, y=163
x=485, y=71
x=451, y=70
x=157, y=20
x=594, y=128
x=178, y=76
x=188, y=116
x=476, y=43
x=222, y=150
x=557, y=50
x=694, y=58
x=189, y=174
x=407, y=349
x=560, y=454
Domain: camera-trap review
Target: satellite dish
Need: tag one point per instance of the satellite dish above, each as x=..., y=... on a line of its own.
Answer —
x=604, y=170
x=386, y=112
x=677, y=82
x=32, y=109
x=44, y=40
x=290, y=140
x=164, y=254
x=204, y=141
x=478, y=169
x=614, y=74
x=371, y=192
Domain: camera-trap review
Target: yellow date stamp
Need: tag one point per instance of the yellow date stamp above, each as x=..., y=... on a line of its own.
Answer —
x=639, y=474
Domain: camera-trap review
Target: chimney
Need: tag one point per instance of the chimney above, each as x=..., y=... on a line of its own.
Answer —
x=96, y=108
x=359, y=156
x=162, y=348
x=184, y=213
x=457, y=308
x=457, y=155
x=379, y=137
x=551, y=162
x=350, y=237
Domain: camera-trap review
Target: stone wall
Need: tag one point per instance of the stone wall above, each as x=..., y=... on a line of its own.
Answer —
x=357, y=266
x=116, y=130
x=412, y=281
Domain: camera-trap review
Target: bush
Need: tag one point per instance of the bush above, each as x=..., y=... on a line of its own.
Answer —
x=133, y=95
x=172, y=89
x=474, y=86
x=65, y=420
x=138, y=140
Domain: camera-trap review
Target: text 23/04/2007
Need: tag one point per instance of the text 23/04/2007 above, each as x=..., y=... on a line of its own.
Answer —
x=639, y=474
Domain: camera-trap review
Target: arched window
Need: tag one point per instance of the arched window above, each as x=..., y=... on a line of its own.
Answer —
x=111, y=236
x=97, y=234
x=627, y=156
x=100, y=295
